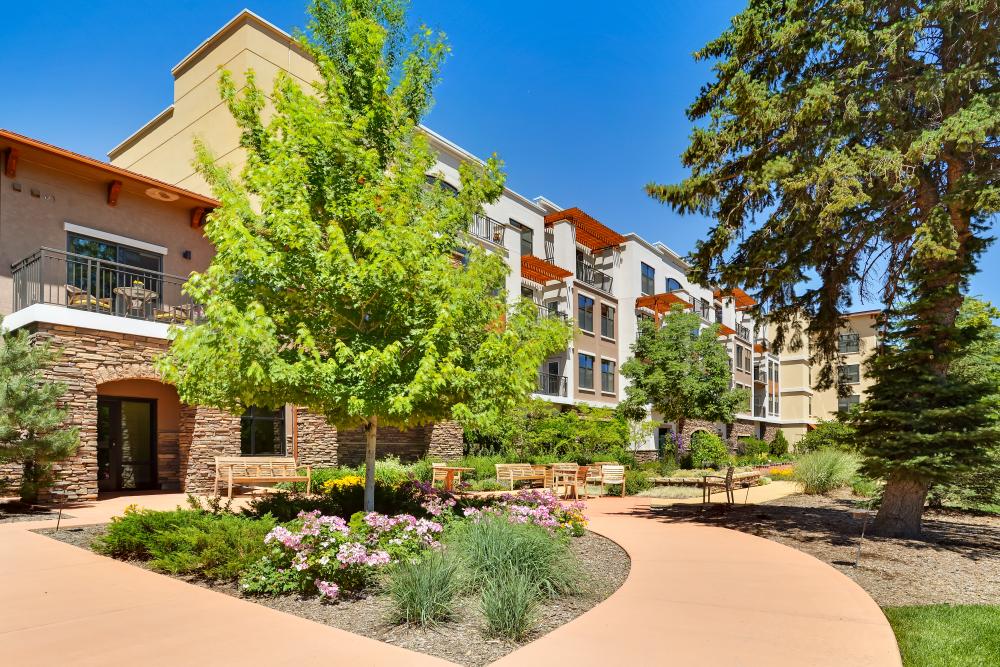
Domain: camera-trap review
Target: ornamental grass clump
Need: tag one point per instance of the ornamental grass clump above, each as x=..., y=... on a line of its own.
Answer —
x=492, y=546
x=423, y=591
x=509, y=603
x=824, y=470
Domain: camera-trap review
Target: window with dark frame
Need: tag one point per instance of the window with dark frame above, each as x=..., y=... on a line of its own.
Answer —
x=647, y=278
x=850, y=373
x=586, y=371
x=845, y=403
x=527, y=237
x=849, y=343
x=607, y=376
x=673, y=285
x=607, y=321
x=585, y=313
x=262, y=432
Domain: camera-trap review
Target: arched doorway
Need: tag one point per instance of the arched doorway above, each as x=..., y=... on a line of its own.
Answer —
x=138, y=422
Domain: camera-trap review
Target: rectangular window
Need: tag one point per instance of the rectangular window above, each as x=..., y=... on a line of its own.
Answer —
x=586, y=373
x=607, y=376
x=845, y=403
x=705, y=309
x=747, y=359
x=527, y=237
x=739, y=356
x=849, y=343
x=851, y=373
x=262, y=432
x=607, y=321
x=718, y=314
x=585, y=313
x=648, y=279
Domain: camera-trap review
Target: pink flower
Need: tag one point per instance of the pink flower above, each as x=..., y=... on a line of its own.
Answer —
x=327, y=589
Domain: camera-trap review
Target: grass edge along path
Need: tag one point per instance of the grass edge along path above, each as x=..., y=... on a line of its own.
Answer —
x=947, y=635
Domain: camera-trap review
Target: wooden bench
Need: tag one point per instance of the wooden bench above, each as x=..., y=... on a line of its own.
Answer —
x=508, y=473
x=729, y=484
x=257, y=470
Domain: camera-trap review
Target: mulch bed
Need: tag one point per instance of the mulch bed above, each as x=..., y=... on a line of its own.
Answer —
x=956, y=561
x=16, y=511
x=460, y=640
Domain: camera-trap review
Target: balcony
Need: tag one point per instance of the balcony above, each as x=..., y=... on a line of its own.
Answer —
x=593, y=277
x=551, y=385
x=760, y=375
x=545, y=311
x=60, y=278
x=486, y=228
x=743, y=332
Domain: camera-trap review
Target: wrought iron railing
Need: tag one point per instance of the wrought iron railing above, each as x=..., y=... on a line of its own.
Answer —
x=759, y=374
x=743, y=331
x=61, y=278
x=551, y=385
x=486, y=228
x=593, y=277
x=545, y=311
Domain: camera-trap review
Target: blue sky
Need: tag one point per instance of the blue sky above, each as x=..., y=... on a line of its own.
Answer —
x=583, y=100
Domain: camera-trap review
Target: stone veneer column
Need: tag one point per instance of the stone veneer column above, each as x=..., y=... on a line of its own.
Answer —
x=445, y=440
x=741, y=429
x=204, y=434
x=692, y=425
x=318, y=443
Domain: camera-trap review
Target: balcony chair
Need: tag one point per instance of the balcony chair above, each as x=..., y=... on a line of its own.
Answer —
x=79, y=298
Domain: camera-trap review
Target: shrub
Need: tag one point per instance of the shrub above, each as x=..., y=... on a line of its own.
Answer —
x=636, y=481
x=493, y=546
x=865, y=487
x=672, y=492
x=389, y=472
x=486, y=485
x=509, y=602
x=540, y=508
x=764, y=481
x=781, y=474
x=832, y=434
x=707, y=450
x=423, y=591
x=779, y=445
x=325, y=554
x=755, y=449
x=216, y=546
x=421, y=470
x=825, y=470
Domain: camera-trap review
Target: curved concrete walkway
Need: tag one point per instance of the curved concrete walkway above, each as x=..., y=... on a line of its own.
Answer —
x=694, y=594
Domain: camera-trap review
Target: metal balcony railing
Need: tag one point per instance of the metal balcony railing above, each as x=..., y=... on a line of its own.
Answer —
x=593, y=277
x=545, y=311
x=487, y=229
x=760, y=374
x=743, y=332
x=61, y=278
x=551, y=385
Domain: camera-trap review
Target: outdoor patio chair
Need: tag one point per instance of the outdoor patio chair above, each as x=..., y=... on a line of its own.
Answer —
x=612, y=474
x=80, y=298
x=439, y=474
x=712, y=483
x=565, y=475
x=581, y=480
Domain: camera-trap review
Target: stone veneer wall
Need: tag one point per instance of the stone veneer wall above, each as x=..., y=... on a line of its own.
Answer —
x=741, y=429
x=770, y=430
x=318, y=444
x=445, y=440
x=205, y=433
x=692, y=425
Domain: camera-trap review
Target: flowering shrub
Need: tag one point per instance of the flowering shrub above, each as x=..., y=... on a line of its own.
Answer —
x=329, y=556
x=342, y=483
x=538, y=507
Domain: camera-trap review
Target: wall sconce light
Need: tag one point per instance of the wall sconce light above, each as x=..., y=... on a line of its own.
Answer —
x=186, y=254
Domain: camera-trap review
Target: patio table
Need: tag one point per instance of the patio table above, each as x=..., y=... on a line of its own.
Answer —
x=449, y=475
x=136, y=299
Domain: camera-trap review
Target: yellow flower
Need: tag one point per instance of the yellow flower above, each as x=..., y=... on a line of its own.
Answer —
x=342, y=483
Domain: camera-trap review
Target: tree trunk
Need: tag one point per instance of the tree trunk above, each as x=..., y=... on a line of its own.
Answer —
x=29, y=483
x=902, y=506
x=371, y=430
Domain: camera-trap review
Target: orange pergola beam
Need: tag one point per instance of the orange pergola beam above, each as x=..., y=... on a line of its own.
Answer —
x=539, y=271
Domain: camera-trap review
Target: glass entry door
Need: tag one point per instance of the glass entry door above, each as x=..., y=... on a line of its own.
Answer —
x=126, y=443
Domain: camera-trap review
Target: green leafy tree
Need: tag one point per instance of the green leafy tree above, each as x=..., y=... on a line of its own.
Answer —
x=33, y=433
x=683, y=373
x=845, y=145
x=342, y=281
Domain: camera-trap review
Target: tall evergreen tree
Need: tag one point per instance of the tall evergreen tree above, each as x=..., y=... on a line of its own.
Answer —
x=849, y=145
x=342, y=281
x=683, y=373
x=33, y=433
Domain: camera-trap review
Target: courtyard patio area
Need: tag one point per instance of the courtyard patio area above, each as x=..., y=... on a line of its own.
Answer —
x=694, y=593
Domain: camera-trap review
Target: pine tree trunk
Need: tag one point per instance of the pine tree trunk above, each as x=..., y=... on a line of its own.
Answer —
x=29, y=485
x=902, y=506
x=371, y=430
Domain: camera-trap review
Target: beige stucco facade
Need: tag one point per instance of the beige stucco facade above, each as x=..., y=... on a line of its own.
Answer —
x=164, y=147
x=803, y=406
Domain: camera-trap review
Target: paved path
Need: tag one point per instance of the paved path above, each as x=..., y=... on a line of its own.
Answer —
x=695, y=594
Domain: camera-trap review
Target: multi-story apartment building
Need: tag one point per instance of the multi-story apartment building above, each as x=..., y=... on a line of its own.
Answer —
x=804, y=406
x=98, y=252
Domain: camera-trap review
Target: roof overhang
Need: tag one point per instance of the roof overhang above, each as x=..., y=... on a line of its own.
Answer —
x=537, y=270
x=589, y=232
x=742, y=299
x=661, y=303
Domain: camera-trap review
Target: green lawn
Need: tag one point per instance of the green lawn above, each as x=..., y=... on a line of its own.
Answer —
x=947, y=636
